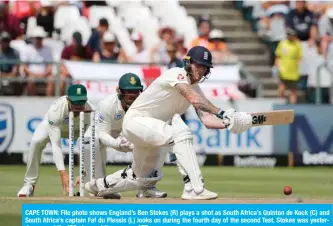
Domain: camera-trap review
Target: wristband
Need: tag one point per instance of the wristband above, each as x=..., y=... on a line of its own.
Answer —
x=220, y=114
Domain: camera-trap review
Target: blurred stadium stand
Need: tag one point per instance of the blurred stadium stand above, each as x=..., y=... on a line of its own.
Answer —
x=241, y=26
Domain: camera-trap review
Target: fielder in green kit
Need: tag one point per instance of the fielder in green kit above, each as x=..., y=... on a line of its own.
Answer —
x=54, y=127
x=110, y=114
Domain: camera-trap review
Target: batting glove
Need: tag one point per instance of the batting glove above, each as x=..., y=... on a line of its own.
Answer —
x=237, y=122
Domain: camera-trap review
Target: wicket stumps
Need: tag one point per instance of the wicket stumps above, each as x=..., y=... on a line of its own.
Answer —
x=92, y=148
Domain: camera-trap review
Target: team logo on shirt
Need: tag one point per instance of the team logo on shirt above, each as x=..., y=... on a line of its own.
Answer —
x=180, y=77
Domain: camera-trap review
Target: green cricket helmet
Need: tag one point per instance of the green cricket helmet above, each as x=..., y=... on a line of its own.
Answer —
x=128, y=82
x=77, y=94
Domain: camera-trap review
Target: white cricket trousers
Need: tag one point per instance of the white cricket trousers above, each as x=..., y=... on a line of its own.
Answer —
x=39, y=141
x=148, y=136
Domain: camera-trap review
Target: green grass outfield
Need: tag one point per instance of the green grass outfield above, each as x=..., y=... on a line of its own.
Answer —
x=228, y=182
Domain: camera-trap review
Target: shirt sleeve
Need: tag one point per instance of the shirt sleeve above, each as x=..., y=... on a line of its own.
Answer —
x=175, y=76
x=104, y=117
x=54, y=123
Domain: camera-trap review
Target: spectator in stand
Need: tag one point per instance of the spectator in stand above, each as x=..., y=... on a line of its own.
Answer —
x=45, y=16
x=25, y=9
x=8, y=70
x=159, y=53
x=108, y=51
x=304, y=22
x=175, y=61
x=326, y=33
x=37, y=53
x=74, y=52
x=288, y=57
x=182, y=50
x=272, y=26
x=218, y=48
x=204, y=28
x=95, y=38
x=9, y=22
x=141, y=55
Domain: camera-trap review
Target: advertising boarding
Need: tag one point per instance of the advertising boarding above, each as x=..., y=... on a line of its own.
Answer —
x=19, y=118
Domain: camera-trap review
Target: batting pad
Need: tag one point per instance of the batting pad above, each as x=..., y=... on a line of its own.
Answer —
x=118, y=182
x=183, y=149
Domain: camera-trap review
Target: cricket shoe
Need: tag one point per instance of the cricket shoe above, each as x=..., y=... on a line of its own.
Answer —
x=26, y=191
x=151, y=193
x=205, y=195
x=94, y=188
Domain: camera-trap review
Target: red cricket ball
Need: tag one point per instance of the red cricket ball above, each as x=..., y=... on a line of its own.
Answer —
x=287, y=190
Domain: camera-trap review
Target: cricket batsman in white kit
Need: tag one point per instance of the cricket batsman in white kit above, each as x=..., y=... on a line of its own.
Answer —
x=145, y=125
x=110, y=114
x=54, y=127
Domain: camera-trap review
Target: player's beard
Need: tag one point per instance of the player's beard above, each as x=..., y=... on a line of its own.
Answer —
x=196, y=77
x=127, y=102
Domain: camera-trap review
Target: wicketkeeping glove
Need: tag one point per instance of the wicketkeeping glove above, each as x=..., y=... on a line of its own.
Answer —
x=124, y=145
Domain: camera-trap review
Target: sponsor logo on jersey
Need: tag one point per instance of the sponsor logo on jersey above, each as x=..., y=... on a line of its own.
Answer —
x=118, y=116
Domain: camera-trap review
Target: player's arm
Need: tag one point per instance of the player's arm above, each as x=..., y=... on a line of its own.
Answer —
x=236, y=122
x=55, y=138
x=104, y=128
x=197, y=98
x=209, y=120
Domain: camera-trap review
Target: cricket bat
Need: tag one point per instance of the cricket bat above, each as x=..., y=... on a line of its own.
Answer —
x=271, y=118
